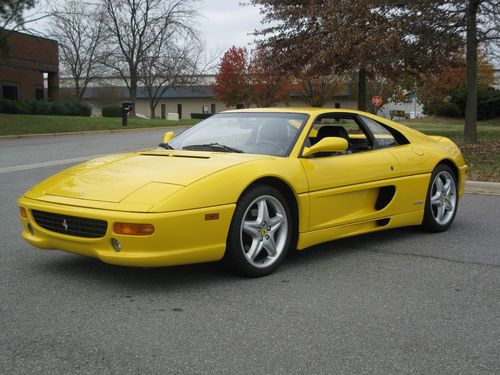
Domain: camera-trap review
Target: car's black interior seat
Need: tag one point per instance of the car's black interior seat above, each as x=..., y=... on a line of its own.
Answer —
x=333, y=131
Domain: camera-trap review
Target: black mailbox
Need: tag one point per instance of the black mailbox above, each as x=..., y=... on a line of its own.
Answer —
x=126, y=108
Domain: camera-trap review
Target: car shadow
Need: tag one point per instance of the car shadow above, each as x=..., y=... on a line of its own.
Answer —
x=85, y=269
x=356, y=244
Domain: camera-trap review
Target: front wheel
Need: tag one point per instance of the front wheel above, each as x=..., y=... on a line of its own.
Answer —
x=260, y=233
x=442, y=200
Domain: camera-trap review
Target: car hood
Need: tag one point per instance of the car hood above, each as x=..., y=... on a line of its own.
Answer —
x=140, y=178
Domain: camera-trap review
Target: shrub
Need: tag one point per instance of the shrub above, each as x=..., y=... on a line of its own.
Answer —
x=39, y=107
x=488, y=102
x=36, y=107
x=15, y=107
x=442, y=108
x=447, y=109
x=201, y=116
x=112, y=111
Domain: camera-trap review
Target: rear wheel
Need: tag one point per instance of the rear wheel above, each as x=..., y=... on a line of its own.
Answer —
x=442, y=200
x=260, y=233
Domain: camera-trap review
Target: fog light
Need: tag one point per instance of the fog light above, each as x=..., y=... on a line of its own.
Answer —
x=30, y=228
x=116, y=245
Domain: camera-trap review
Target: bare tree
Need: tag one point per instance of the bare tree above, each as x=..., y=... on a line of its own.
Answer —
x=79, y=29
x=318, y=90
x=135, y=27
x=175, y=60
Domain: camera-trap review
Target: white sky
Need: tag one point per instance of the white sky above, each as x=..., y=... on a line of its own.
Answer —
x=224, y=23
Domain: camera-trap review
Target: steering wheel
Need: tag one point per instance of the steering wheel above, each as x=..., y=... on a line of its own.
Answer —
x=278, y=147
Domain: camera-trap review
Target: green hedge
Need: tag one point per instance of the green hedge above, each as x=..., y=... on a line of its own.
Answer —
x=38, y=107
x=112, y=111
x=488, y=104
x=201, y=116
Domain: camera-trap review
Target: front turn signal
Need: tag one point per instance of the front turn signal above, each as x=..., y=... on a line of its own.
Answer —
x=23, y=212
x=133, y=229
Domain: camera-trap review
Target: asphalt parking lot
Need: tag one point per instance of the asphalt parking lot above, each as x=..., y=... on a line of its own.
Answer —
x=395, y=302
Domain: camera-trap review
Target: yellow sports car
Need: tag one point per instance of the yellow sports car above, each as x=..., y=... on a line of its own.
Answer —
x=248, y=186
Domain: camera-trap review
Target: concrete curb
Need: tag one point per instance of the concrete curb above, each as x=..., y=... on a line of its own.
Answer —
x=482, y=187
x=86, y=132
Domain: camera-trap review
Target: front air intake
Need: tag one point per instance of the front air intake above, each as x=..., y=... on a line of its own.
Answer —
x=70, y=225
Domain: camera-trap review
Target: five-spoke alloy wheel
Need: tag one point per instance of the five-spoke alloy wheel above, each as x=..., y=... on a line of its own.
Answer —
x=442, y=200
x=260, y=233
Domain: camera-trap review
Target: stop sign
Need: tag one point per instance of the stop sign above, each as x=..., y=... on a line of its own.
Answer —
x=377, y=101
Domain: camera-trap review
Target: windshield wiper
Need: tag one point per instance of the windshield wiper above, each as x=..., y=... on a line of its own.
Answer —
x=212, y=147
x=166, y=146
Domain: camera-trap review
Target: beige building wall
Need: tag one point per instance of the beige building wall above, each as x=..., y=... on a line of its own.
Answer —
x=189, y=105
x=342, y=102
x=195, y=105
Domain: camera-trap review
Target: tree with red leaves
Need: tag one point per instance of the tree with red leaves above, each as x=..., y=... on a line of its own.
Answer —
x=232, y=85
x=268, y=84
x=243, y=80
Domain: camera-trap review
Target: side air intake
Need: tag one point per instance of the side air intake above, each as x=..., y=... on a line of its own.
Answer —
x=385, y=195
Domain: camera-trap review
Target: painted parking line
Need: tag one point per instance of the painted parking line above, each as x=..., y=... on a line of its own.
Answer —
x=25, y=167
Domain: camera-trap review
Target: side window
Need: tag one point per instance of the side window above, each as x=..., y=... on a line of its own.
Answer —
x=343, y=127
x=382, y=137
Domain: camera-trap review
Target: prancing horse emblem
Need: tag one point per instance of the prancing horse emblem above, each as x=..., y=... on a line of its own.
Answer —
x=65, y=225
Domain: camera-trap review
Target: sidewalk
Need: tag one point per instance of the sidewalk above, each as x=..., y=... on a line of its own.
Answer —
x=107, y=131
x=482, y=187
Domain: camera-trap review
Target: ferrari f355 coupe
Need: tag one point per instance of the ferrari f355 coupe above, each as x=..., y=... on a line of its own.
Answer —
x=248, y=186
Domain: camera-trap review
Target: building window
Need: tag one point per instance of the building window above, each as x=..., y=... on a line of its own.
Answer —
x=10, y=92
x=179, y=111
x=213, y=108
x=39, y=93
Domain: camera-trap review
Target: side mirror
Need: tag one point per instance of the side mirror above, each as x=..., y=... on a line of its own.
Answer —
x=167, y=137
x=328, y=144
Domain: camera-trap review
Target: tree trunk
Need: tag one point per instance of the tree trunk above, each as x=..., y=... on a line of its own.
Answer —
x=78, y=93
x=362, y=90
x=470, y=128
x=133, y=94
x=152, y=107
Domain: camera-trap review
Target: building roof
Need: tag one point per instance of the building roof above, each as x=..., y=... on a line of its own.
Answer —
x=201, y=91
x=172, y=92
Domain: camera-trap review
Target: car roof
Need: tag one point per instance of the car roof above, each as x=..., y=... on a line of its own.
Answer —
x=305, y=110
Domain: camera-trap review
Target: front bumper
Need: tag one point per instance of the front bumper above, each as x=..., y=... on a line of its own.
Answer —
x=181, y=237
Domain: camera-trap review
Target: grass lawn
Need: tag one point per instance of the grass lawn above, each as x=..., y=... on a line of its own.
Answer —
x=26, y=124
x=482, y=158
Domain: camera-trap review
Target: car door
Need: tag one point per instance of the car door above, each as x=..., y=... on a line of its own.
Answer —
x=350, y=187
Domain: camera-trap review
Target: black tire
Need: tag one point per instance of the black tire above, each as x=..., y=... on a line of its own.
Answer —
x=238, y=247
x=431, y=222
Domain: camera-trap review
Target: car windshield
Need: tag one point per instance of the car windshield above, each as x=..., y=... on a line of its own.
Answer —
x=248, y=132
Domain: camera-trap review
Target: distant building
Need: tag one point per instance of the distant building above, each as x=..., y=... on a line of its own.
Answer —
x=181, y=100
x=411, y=108
x=496, y=83
x=22, y=68
x=199, y=98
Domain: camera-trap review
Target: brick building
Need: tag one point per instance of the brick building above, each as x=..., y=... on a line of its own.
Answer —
x=22, y=68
